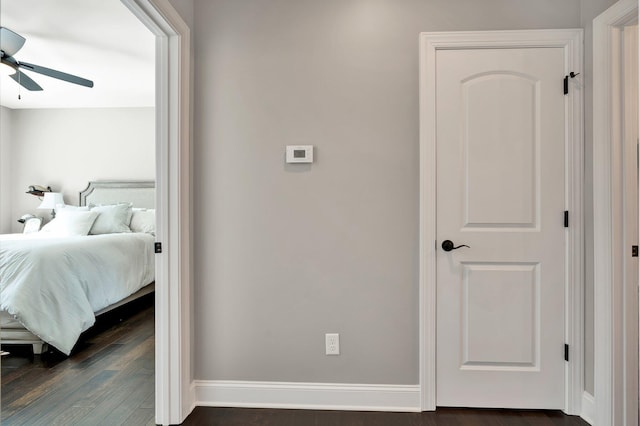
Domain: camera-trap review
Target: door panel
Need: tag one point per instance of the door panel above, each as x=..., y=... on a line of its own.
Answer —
x=499, y=116
x=500, y=189
x=516, y=345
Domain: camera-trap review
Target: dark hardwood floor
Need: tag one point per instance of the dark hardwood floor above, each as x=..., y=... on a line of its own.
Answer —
x=107, y=380
x=207, y=416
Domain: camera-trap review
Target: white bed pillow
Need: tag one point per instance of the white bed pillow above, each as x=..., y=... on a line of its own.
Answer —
x=112, y=219
x=69, y=222
x=143, y=220
x=65, y=206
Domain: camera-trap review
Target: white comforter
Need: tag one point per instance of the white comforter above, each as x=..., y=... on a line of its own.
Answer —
x=53, y=285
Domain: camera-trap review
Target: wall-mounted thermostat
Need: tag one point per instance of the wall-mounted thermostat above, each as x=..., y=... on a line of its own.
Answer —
x=299, y=153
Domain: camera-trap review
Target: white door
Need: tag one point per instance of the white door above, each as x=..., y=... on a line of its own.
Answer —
x=500, y=142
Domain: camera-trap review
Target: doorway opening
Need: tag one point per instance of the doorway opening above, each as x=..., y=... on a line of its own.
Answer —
x=173, y=398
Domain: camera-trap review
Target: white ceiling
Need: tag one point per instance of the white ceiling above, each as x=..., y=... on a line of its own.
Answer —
x=99, y=40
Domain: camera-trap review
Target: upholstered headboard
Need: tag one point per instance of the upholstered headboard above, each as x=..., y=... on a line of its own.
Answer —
x=141, y=193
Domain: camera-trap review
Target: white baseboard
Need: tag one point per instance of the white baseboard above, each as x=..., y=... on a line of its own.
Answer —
x=315, y=396
x=588, y=413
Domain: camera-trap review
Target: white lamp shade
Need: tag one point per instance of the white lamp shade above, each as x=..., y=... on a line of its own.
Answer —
x=51, y=200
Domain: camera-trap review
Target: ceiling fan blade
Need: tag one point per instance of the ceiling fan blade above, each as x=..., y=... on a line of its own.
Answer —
x=10, y=42
x=25, y=81
x=56, y=74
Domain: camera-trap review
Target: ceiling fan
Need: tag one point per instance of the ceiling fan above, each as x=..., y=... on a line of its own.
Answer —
x=10, y=43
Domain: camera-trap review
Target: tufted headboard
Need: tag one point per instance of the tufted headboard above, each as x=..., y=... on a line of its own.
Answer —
x=142, y=193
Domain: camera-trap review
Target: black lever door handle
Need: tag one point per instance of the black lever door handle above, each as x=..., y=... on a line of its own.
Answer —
x=447, y=245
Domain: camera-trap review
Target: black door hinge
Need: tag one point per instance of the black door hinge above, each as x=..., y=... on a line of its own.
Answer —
x=566, y=352
x=566, y=218
x=158, y=247
x=566, y=81
x=634, y=251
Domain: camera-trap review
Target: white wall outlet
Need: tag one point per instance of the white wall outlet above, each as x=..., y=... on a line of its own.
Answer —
x=332, y=344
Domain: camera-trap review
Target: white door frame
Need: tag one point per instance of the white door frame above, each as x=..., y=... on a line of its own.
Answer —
x=173, y=382
x=571, y=42
x=609, y=337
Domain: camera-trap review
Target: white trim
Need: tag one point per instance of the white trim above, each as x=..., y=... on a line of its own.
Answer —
x=427, y=252
x=607, y=200
x=308, y=396
x=629, y=191
x=571, y=41
x=588, y=408
x=173, y=280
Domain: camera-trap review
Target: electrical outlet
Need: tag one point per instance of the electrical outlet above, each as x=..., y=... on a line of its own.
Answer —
x=332, y=344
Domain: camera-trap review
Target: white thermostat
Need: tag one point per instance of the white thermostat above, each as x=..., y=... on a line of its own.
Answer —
x=299, y=154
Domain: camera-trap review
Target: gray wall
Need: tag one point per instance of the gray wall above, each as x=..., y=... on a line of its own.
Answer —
x=284, y=254
x=66, y=148
x=185, y=10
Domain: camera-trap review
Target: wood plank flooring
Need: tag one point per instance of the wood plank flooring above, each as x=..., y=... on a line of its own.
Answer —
x=107, y=380
x=208, y=416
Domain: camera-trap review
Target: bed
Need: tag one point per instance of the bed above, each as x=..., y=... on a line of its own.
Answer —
x=53, y=283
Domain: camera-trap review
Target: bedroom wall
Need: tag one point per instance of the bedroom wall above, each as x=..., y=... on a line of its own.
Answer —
x=5, y=170
x=66, y=148
x=284, y=254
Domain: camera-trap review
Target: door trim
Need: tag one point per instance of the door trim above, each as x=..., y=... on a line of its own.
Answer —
x=571, y=41
x=609, y=330
x=174, y=395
